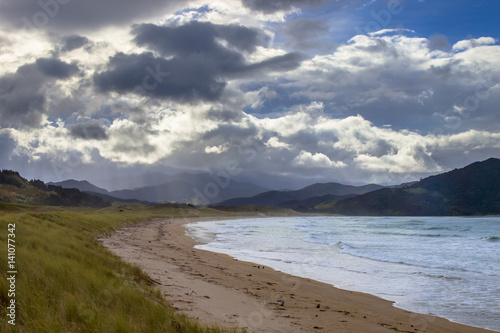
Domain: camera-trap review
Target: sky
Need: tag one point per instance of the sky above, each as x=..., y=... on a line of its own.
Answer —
x=282, y=93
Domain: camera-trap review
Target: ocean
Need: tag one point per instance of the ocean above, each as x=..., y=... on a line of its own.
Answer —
x=444, y=266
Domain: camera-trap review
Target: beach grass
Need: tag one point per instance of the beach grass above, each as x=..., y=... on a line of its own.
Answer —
x=68, y=282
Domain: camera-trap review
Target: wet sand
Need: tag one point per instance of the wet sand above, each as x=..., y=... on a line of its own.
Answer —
x=217, y=289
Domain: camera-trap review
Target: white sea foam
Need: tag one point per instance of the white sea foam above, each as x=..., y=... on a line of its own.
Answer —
x=445, y=266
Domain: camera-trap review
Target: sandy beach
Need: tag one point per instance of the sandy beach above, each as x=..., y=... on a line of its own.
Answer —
x=217, y=289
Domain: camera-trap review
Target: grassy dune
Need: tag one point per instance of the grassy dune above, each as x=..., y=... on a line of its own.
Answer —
x=68, y=282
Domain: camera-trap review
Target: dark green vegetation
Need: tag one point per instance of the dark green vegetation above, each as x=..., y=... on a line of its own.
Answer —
x=68, y=282
x=16, y=189
x=472, y=190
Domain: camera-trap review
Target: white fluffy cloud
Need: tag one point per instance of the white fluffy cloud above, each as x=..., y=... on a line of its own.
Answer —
x=308, y=160
x=399, y=80
x=351, y=145
x=471, y=43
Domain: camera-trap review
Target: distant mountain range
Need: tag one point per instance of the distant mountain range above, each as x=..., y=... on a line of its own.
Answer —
x=89, y=188
x=82, y=185
x=200, y=188
x=136, y=180
x=472, y=190
x=304, y=199
x=16, y=189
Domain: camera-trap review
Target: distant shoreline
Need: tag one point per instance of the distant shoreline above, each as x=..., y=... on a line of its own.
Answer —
x=218, y=289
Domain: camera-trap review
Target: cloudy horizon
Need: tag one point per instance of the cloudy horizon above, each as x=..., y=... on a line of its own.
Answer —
x=282, y=93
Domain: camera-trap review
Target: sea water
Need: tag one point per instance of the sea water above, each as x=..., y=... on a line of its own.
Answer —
x=444, y=266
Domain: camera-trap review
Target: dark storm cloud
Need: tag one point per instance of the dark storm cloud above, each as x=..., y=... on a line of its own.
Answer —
x=271, y=6
x=21, y=99
x=73, y=42
x=77, y=15
x=243, y=38
x=198, y=37
x=56, y=68
x=199, y=40
x=197, y=65
x=91, y=130
x=182, y=79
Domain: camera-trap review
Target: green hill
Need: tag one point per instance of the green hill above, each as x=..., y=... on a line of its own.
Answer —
x=16, y=189
x=301, y=199
x=82, y=185
x=472, y=190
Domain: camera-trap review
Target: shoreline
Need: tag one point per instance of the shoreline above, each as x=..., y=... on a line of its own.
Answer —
x=217, y=289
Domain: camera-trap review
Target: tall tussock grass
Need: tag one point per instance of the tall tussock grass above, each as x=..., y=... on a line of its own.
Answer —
x=68, y=282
